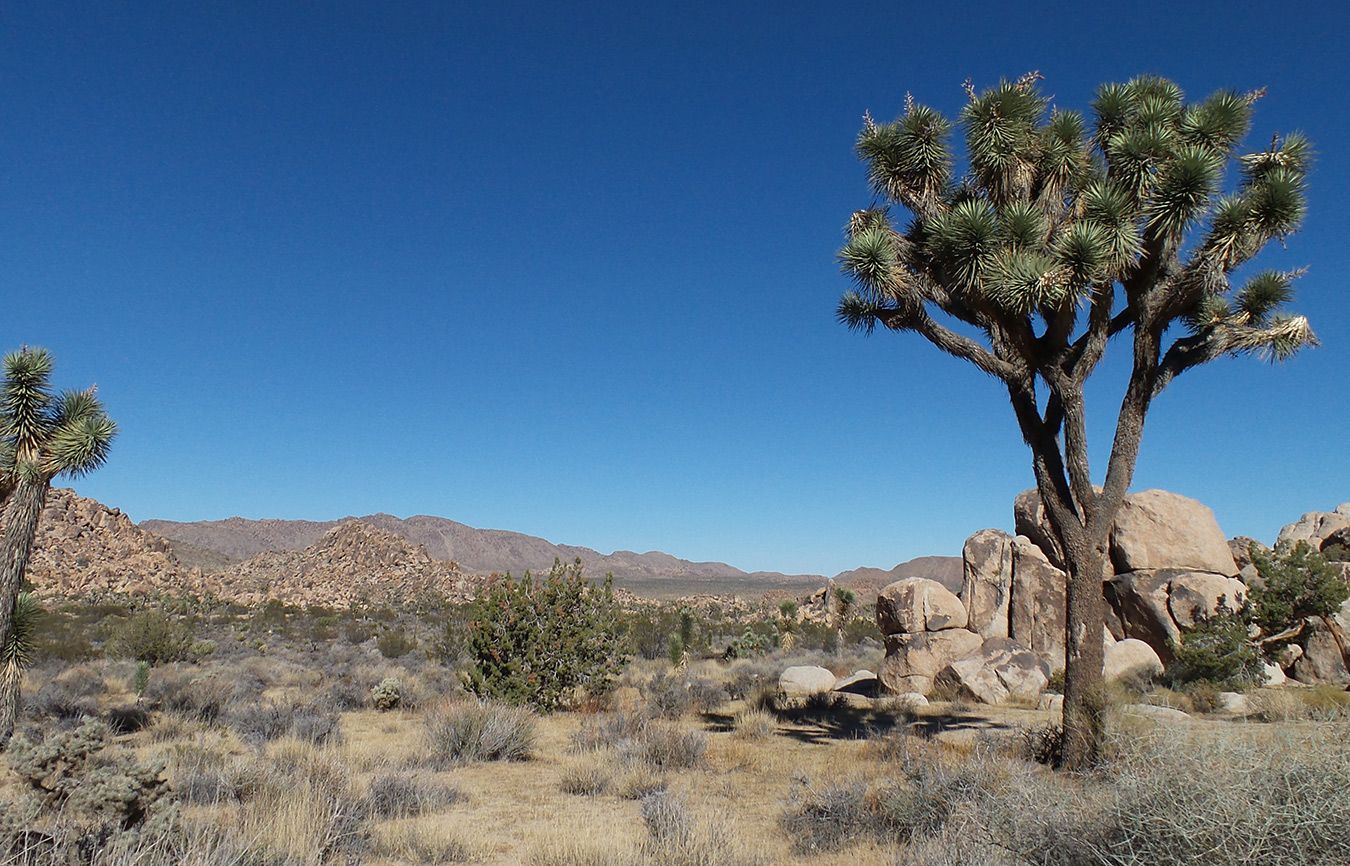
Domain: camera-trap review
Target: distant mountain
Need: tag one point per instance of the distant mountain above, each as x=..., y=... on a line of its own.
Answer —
x=216, y=544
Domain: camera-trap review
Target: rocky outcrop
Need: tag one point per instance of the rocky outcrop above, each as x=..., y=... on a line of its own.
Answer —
x=1001, y=671
x=915, y=604
x=1156, y=529
x=986, y=589
x=802, y=680
x=1036, y=613
x=85, y=549
x=1315, y=526
x=354, y=564
x=1031, y=521
x=1131, y=661
x=913, y=660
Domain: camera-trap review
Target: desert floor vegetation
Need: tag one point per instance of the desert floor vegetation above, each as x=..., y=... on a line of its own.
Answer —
x=296, y=757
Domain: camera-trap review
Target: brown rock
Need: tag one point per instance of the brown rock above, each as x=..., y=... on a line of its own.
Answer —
x=913, y=660
x=915, y=604
x=1030, y=520
x=987, y=589
x=1037, y=605
x=1156, y=529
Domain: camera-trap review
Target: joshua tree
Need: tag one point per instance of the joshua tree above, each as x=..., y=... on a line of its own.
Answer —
x=1061, y=234
x=16, y=654
x=42, y=435
x=844, y=600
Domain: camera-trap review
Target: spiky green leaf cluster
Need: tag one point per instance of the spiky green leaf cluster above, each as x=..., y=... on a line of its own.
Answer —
x=1056, y=207
x=17, y=653
x=44, y=434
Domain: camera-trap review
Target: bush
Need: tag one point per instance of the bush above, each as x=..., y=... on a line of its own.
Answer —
x=396, y=795
x=664, y=746
x=387, y=695
x=1216, y=651
x=191, y=698
x=395, y=643
x=259, y=723
x=667, y=696
x=544, y=642
x=470, y=731
x=1297, y=583
x=678, y=837
x=752, y=724
x=587, y=778
x=102, y=796
x=153, y=637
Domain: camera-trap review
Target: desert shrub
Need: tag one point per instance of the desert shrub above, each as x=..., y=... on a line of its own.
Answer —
x=422, y=844
x=1336, y=552
x=387, y=694
x=544, y=642
x=587, y=778
x=1297, y=583
x=260, y=723
x=606, y=730
x=678, y=837
x=664, y=746
x=399, y=795
x=667, y=696
x=151, y=636
x=639, y=781
x=752, y=724
x=472, y=731
x=827, y=817
x=706, y=695
x=70, y=696
x=1042, y=744
x=188, y=697
x=93, y=796
x=395, y=643
x=1217, y=651
x=343, y=694
x=1324, y=703
x=127, y=719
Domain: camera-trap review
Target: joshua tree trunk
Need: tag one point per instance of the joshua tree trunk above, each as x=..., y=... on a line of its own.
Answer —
x=22, y=512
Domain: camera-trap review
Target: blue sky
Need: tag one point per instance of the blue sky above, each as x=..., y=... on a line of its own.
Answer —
x=571, y=271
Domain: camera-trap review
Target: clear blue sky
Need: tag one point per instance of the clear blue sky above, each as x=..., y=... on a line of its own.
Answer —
x=571, y=271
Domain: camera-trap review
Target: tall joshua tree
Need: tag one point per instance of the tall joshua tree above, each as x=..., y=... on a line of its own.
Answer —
x=42, y=435
x=1061, y=234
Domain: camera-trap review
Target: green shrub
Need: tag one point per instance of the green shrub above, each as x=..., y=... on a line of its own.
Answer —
x=1217, y=651
x=1297, y=583
x=153, y=637
x=471, y=731
x=395, y=643
x=544, y=642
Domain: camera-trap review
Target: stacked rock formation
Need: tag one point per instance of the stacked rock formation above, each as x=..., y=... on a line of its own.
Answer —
x=354, y=564
x=1003, y=634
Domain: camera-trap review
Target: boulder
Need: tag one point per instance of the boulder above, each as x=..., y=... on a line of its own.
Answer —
x=1242, y=548
x=913, y=660
x=1140, y=601
x=1321, y=660
x=987, y=586
x=1030, y=520
x=911, y=701
x=805, y=680
x=1196, y=595
x=1274, y=675
x=1157, y=529
x=1315, y=526
x=1131, y=660
x=1036, y=608
x=1003, y=670
x=1232, y=703
x=862, y=682
x=916, y=604
x=1162, y=714
x=1051, y=702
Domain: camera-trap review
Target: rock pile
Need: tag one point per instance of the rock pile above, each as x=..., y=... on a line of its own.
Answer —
x=1000, y=638
x=354, y=564
x=85, y=548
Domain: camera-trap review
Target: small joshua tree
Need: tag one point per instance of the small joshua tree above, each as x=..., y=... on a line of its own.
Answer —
x=1062, y=233
x=544, y=641
x=42, y=435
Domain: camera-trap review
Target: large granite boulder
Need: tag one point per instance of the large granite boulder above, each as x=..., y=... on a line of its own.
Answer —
x=916, y=604
x=1321, y=660
x=1036, y=608
x=1003, y=670
x=913, y=660
x=805, y=680
x=987, y=587
x=1315, y=526
x=1196, y=595
x=1030, y=520
x=1131, y=661
x=1156, y=529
